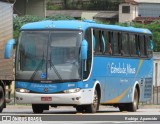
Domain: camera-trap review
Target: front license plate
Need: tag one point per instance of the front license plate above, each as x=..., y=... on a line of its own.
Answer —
x=46, y=98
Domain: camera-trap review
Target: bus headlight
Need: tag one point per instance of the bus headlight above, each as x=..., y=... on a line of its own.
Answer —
x=22, y=90
x=72, y=90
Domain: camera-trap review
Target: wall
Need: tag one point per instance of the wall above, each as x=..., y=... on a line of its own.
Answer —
x=30, y=7
x=156, y=69
x=36, y=7
x=6, y=33
x=149, y=9
x=88, y=15
x=128, y=17
x=19, y=7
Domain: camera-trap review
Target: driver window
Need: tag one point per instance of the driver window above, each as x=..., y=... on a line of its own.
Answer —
x=88, y=37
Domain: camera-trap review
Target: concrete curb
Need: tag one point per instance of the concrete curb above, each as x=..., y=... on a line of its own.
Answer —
x=149, y=106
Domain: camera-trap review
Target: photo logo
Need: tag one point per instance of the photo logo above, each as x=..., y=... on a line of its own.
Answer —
x=6, y=118
x=20, y=118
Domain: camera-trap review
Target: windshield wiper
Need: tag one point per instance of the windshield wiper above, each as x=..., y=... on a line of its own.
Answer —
x=39, y=65
x=54, y=68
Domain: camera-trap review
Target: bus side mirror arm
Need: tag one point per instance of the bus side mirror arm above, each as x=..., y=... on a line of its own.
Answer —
x=8, y=48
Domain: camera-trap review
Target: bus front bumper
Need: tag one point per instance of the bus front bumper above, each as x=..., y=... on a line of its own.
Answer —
x=79, y=98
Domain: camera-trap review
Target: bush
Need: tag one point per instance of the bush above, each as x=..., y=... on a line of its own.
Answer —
x=60, y=17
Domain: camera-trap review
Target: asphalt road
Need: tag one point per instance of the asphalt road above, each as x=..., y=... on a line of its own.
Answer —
x=104, y=110
x=68, y=115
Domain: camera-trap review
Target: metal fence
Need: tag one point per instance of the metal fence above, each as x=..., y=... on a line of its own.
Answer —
x=155, y=96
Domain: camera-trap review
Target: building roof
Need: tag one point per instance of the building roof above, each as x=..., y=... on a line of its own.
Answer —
x=107, y=14
x=142, y=1
x=78, y=13
x=72, y=13
x=147, y=1
x=131, y=1
x=146, y=20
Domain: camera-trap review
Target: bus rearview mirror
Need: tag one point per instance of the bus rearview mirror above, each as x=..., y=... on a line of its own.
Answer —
x=84, y=49
x=8, y=48
x=151, y=44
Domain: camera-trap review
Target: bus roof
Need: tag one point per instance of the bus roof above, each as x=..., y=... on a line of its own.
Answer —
x=79, y=25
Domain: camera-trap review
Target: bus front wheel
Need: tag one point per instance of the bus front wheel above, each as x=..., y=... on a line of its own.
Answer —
x=37, y=108
x=2, y=99
x=92, y=108
x=80, y=108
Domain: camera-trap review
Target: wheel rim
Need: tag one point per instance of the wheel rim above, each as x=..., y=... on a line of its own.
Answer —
x=95, y=100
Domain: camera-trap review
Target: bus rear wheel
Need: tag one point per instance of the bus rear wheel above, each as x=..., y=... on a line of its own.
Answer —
x=132, y=107
x=122, y=108
x=92, y=108
x=2, y=99
x=37, y=108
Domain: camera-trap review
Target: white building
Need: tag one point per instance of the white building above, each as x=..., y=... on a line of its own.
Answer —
x=156, y=69
x=28, y=7
x=131, y=9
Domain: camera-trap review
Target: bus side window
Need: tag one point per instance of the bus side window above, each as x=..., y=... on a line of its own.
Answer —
x=125, y=45
x=116, y=43
x=145, y=46
x=88, y=37
x=96, y=41
x=107, y=39
x=148, y=45
x=137, y=46
x=110, y=43
x=103, y=42
x=132, y=40
x=99, y=46
x=142, y=45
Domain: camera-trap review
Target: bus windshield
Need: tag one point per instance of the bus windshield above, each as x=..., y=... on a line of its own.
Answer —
x=49, y=56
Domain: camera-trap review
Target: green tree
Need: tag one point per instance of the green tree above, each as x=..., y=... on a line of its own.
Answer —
x=87, y=5
x=65, y=4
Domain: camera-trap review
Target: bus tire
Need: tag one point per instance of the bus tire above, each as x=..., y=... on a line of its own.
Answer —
x=122, y=108
x=2, y=98
x=132, y=107
x=92, y=108
x=37, y=108
x=80, y=108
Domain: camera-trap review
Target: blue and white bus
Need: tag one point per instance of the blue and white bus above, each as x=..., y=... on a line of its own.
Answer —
x=113, y=65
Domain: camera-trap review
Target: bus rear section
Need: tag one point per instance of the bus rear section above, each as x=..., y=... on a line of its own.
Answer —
x=125, y=82
x=124, y=69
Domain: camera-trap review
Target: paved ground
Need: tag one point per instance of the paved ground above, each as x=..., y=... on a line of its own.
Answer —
x=69, y=114
x=104, y=110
